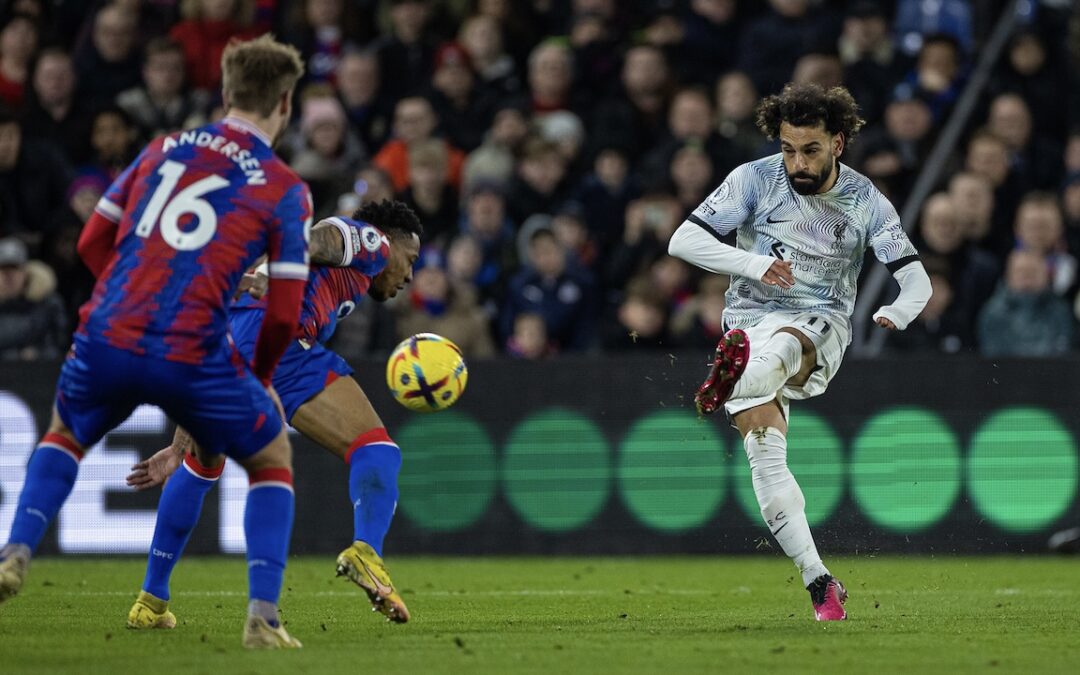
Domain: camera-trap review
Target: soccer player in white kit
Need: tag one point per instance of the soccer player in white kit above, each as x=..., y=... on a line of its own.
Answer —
x=803, y=222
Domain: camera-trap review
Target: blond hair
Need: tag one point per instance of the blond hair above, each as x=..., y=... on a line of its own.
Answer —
x=257, y=73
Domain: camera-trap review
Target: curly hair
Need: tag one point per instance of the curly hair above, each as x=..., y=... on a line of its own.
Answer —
x=392, y=217
x=807, y=105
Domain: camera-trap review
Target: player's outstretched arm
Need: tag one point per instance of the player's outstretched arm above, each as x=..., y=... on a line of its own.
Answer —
x=156, y=470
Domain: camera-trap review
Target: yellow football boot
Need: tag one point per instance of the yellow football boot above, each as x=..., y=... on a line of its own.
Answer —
x=12, y=575
x=363, y=566
x=150, y=611
x=259, y=634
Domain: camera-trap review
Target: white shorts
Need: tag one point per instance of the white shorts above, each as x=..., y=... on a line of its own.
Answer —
x=830, y=338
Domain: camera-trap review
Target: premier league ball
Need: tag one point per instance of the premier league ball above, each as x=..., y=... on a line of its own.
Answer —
x=426, y=373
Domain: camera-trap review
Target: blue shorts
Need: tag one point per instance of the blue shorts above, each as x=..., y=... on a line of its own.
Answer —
x=219, y=402
x=302, y=372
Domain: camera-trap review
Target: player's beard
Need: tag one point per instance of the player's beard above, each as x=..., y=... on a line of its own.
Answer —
x=811, y=183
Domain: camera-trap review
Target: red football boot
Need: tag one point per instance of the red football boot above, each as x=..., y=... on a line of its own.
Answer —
x=732, y=355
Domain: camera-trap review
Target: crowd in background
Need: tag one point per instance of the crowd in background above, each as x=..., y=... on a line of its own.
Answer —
x=551, y=147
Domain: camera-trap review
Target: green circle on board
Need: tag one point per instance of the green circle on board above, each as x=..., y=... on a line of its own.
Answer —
x=671, y=470
x=1022, y=469
x=556, y=470
x=815, y=457
x=447, y=471
x=905, y=469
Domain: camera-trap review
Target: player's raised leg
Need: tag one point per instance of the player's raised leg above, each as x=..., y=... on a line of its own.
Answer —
x=781, y=500
x=342, y=420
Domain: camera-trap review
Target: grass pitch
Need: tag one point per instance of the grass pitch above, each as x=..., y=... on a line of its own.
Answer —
x=568, y=615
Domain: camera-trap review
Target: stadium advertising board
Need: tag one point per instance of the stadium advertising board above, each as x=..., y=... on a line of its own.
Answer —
x=605, y=455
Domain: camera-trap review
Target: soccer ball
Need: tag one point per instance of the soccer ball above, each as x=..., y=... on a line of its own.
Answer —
x=426, y=373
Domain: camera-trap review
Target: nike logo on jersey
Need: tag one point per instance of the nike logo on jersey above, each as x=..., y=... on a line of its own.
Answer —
x=768, y=219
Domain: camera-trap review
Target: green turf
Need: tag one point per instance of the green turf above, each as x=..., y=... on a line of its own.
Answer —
x=558, y=616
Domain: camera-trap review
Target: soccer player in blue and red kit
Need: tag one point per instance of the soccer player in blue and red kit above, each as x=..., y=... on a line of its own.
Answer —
x=375, y=252
x=169, y=243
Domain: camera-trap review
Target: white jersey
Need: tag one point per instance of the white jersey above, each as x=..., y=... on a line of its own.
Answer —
x=823, y=236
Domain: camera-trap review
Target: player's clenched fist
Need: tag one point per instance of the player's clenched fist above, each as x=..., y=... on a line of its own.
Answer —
x=779, y=274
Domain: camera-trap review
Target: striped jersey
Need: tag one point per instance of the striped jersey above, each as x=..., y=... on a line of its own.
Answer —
x=193, y=211
x=823, y=236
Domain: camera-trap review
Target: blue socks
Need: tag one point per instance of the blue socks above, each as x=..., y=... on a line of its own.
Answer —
x=178, y=512
x=268, y=519
x=50, y=475
x=374, y=462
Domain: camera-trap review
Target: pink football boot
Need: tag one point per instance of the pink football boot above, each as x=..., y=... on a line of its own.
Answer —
x=828, y=596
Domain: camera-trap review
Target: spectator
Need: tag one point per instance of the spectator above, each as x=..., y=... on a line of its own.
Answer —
x=701, y=42
x=690, y=121
x=162, y=103
x=974, y=199
x=206, y=28
x=435, y=305
x=494, y=160
x=537, y=186
x=1070, y=202
x=892, y=155
x=692, y=175
x=481, y=37
x=112, y=138
x=565, y=298
x=321, y=29
x=1029, y=72
x=639, y=321
x=1025, y=317
x=405, y=55
x=988, y=156
x=551, y=77
x=568, y=223
x=329, y=152
x=736, y=99
x=1031, y=157
x=109, y=62
x=18, y=42
x=938, y=76
x=53, y=111
x=940, y=327
x=635, y=118
x=414, y=120
x=918, y=21
x=529, y=341
x=790, y=29
x=373, y=185
x=821, y=68
x=464, y=111
x=605, y=193
x=33, y=180
x=650, y=222
x=32, y=321
x=484, y=219
x=594, y=35
x=428, y=194
x=369, y=111
x=1040, y=229
x=973, y=273
x=699, y=322
x=565, y=130
x=872, y=63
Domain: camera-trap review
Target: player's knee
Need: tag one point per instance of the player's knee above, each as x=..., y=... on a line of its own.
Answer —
x=278, y=454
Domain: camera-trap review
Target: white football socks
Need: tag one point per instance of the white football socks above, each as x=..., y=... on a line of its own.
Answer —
x=776, y=362
x=781, y=500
